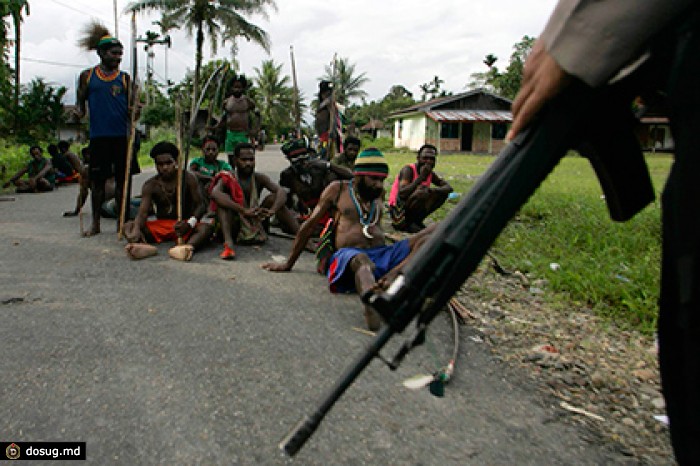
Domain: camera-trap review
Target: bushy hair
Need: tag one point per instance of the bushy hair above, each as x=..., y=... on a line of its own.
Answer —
x=92, y=33
x=164, y=147
x=427, y=146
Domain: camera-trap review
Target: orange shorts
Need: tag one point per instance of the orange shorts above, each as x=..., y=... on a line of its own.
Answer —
x=164, y=230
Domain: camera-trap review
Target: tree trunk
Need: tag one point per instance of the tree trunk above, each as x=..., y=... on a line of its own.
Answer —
x=18, y=24
x=197, y=69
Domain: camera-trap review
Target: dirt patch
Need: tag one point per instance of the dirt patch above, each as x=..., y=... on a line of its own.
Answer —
x=601, y=375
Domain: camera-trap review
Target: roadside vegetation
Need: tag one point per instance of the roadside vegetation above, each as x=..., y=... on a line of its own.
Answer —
x=564, y=238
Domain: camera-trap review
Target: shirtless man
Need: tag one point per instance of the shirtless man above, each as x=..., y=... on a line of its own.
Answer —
x=246, y=221
x=417, y=192
x=240, y=118
x=361, y=257
x=65, y=163
x=40, y=172
x=161, y=191
x=307, y=177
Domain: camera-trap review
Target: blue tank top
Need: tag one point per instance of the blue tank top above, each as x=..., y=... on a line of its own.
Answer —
x=108, y=104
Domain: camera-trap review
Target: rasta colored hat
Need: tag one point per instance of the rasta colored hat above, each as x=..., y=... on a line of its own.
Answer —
x=107, y=42
x=371, y=162
x=295, y=148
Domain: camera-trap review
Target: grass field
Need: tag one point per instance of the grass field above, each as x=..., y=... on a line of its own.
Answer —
x=610, y=267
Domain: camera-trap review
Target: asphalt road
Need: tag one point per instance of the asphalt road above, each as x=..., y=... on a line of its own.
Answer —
x=212, y=362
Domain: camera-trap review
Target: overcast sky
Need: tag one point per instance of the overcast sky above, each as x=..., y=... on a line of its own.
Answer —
x=403, y=42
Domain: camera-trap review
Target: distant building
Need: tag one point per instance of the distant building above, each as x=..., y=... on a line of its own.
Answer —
x=376, y=129
x=474, y=121
x=72, y=129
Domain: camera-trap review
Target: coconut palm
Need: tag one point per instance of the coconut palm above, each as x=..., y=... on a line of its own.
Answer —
x=274, y=95
x=16, y=7
x=223, y=20
x=346, y=84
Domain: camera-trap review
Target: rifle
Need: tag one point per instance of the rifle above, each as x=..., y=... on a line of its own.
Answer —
x=596, y=122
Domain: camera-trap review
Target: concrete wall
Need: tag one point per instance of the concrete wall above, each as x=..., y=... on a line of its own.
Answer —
x=410, y=132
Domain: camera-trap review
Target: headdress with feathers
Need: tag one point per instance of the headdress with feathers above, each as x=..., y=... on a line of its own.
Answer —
x=96, y=37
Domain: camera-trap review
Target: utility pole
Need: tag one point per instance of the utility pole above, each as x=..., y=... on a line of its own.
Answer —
x=151, y=39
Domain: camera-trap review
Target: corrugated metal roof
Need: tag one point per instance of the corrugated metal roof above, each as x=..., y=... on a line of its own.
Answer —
x=470, y=115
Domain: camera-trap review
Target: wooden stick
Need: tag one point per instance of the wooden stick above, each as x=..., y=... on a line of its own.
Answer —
x=126, y=191
x=178, y=124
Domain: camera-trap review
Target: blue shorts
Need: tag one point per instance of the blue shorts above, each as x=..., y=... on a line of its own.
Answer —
x=384, y=258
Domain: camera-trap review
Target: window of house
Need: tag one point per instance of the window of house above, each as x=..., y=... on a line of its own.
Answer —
x=449, y=130
x=499, y=130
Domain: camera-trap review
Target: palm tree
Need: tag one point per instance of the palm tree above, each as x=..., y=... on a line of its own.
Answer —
x=275, y=95
x=222, y=20
x=15, y=9
x=346, y=85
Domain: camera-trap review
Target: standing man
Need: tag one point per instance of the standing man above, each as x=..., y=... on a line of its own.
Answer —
x=325, y=129
x=592, y=41
x=417, y=192
x=106, y=93
x=240, y=118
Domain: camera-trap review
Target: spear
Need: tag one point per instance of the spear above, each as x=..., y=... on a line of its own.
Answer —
x=333, y=110
x=297, y=109
x=133, y=97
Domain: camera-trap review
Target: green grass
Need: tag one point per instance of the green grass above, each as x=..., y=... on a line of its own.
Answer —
x=612, y=268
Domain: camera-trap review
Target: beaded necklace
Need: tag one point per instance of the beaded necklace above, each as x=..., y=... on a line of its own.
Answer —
x=367, y=219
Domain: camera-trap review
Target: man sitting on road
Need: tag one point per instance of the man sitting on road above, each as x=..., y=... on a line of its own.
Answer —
x=65, y=163
x=40, y=172
x=243, y=215
x=347, y=158
x=417, y=192
x=361, y=256
x=307, y=177
x=161, y=191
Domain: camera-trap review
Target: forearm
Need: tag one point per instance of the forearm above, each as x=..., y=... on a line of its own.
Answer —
x=280, y=200
x=300, y=241
x=225, y=202
x=406, y=190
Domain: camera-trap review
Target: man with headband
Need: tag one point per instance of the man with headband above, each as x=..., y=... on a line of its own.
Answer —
x=361, y=260
x=105, y=92
x=307, y=176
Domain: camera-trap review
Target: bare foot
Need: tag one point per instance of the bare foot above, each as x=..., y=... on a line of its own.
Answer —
x=137, y=251
x=92, y=231
x=181, y=252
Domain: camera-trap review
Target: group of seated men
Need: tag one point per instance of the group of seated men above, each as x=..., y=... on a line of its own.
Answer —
x=343, y=205
x=45, y=174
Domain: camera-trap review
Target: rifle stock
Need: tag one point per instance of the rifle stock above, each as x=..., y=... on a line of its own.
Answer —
x=597, y=122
